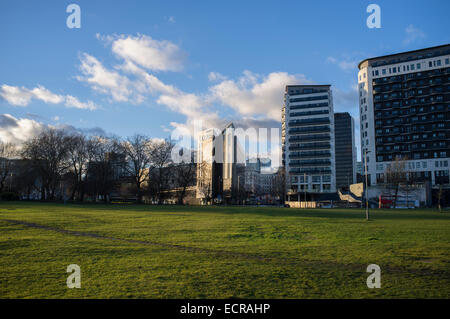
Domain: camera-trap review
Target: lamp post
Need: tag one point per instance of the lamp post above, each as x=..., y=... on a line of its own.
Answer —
x=367, y=188
x=304, y=186
x=10, y=183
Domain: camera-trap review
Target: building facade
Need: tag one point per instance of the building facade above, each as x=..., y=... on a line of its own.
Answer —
x=405, y=113
x=308, y=139
x=216, y=164
x=345, y=151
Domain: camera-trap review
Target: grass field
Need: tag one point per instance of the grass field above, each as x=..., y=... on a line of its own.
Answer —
x=221, y=252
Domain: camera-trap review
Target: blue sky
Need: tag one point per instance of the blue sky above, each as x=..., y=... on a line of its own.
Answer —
x=150, y=66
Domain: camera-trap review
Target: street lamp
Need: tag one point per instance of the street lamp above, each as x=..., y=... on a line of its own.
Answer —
x=10, y=182
x=305, y=185
x=367, y=188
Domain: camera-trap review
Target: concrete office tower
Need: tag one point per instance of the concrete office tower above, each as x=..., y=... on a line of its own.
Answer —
x=216, y=164
x=405, y=113
x=308, y=140
x=345, y=151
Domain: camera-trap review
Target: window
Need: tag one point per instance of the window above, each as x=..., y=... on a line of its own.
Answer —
x=412, y=67
x=438, y=62
x=418, y=66
x=447, y=61
x=384, y=71
x=424, y=164
x=430, y=64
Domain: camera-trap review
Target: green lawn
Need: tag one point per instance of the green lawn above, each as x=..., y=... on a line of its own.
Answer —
x=221, y=252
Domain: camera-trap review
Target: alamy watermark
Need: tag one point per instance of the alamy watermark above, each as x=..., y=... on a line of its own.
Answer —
x=374, y=280
x=228, y=145
x=374, y=19
x=74, y=279
x=74, y=19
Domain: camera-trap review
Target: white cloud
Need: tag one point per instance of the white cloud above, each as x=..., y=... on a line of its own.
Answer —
x=104, y=80
x=45, y=95
x=345, y=65
x=253, y=94
x=216, y=76
x=15, y=95
x=413, y=34
x=171, y=19
x=18, y=130
x=72, y=101
x=21, y=96
x=149, y=53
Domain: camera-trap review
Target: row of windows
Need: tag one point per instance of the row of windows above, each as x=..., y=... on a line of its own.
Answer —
x=320, y=120
x=411, y=110
x=314, y=179
x=419, y=56
x=406, y=129
x=309, y=113
x=409, y=147
x=310, y=129
x=411, y=76
x=412, y=67
x=408, y=138
x=309, y=154
x=411, y=165
x=412, y=119
x=306, y=91
x=309, y=98
x=399, y=95
x=409, y=92
x=421, y=155
x=308, y=106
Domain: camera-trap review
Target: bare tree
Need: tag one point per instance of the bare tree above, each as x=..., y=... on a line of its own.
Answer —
x=78, y=156
x=137, y=150
x=184, y=177
x=279, y=184
x=7, y=153
x=102, y=153
x=396, y=176
x=48, y=152
x=204, y=180
x=160, y=172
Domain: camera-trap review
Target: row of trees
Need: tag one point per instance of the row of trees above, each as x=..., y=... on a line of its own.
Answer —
x=59, y=164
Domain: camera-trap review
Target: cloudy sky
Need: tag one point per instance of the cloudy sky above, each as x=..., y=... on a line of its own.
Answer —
x=151, y=66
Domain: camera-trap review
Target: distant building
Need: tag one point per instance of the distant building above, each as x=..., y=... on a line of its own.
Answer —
x=216, y=165
x=308, y=139
x=345, y=151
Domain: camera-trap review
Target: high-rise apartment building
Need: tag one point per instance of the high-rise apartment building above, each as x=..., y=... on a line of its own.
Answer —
x=405, y=113
x=308, y=139
x=345, y=151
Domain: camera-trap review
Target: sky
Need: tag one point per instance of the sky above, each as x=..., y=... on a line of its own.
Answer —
x=150, y=67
